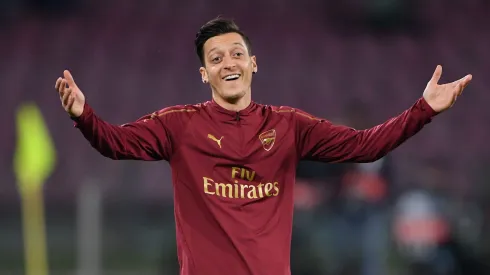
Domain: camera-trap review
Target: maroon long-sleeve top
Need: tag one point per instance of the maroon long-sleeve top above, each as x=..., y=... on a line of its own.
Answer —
x=233, y=173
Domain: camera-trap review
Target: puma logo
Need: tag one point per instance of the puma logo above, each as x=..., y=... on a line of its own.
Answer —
x=215, y=139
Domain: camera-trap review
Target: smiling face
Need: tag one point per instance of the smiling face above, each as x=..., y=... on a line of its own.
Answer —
x=228, y=67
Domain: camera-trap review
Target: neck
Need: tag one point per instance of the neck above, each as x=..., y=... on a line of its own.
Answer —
x=233, y=105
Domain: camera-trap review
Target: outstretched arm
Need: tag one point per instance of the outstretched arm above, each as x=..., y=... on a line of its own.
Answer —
x=145, y=139
x=321, y=140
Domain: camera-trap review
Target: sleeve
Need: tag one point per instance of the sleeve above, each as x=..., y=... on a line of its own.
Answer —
x=148, y=138
x=321, y=140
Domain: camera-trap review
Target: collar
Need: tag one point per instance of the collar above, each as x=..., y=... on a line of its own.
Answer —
x=232, y=115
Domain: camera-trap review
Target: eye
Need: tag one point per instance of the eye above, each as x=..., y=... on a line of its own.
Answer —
x=238, y=54
x=216, y=59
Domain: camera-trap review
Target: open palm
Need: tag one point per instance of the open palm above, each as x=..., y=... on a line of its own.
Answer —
x=72, y=98
x=442, y=97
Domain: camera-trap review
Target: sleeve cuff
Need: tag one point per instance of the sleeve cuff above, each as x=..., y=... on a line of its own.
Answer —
x=87, y=111
x=426, y=109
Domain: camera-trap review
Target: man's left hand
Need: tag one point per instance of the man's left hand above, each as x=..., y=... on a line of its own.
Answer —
x=442, y=97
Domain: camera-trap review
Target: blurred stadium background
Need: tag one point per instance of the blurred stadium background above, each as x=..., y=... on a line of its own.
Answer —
x=424, y=209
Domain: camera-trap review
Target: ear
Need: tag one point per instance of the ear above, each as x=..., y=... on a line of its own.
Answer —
x=204, y=75
x=254, y=64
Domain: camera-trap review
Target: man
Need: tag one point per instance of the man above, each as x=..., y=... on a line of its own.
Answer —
x=233, y=160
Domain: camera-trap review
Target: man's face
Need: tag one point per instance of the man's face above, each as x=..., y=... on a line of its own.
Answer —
x=228, y=66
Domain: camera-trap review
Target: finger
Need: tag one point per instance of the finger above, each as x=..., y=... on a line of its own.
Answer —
x=71, y=100
x=64, y=99
x=62, y=87
x=66, y=96
x=455, y=97
x=460, y=84
x=466, y=80
x=69, y=78
x=58, y=82
x=437, y=75
x=459, y=89
x=465, y=83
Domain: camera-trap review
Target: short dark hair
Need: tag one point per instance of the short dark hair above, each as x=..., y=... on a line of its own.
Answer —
x=215, y=27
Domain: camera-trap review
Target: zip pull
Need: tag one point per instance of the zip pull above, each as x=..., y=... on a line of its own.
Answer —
x=237, y=117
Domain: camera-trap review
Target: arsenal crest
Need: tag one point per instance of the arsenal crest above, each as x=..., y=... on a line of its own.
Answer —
x=267, y=139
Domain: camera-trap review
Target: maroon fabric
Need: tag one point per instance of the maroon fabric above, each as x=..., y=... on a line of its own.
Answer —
x=233, y=173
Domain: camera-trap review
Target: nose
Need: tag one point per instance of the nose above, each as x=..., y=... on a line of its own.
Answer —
x=228, y=62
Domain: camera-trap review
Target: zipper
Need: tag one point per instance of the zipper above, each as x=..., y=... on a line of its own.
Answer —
x=239, y=129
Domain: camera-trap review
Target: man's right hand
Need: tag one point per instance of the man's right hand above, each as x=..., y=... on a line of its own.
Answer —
x=72, y=99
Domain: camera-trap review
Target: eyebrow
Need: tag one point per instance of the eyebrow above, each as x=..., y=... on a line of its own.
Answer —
x=236, y=43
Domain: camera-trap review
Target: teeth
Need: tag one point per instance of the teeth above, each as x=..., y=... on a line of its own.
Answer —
x=233, y=76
